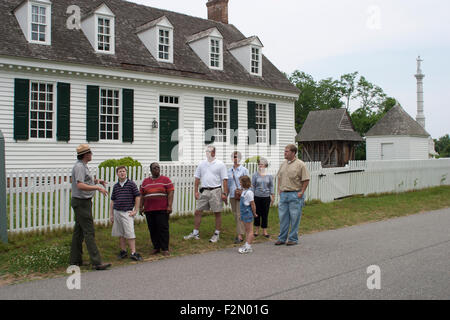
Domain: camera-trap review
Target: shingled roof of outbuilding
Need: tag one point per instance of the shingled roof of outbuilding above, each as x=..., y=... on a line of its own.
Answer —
x=397, y=122
x=72, y=46
x=328, y=125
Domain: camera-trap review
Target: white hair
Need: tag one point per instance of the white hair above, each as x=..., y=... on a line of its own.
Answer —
x=263, y=161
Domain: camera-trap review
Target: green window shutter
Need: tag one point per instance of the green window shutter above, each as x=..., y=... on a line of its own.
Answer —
x=209, y=119
x=251, y=119
x=63, y=112
x=272, y=123
x=21, y=108
x=234, y=120
x=92, y=113
x=127, y=115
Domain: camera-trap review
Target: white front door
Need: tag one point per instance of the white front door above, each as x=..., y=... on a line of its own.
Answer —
x=387, y=151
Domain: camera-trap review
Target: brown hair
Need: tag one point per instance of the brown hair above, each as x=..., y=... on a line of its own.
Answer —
x=245, y=181
x=292, y=147
x=121, y=167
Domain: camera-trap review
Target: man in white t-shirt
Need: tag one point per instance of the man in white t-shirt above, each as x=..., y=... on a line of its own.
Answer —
x=212, y=174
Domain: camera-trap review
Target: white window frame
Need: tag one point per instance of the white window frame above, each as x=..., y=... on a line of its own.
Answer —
x=169, y=100
x=111, y=34
x=168, y=44
x=257, y=60
x=118, y=115
x=224, y=105
x=38, y=101
x=261, y=138
x=47, y=24
x=215, y=53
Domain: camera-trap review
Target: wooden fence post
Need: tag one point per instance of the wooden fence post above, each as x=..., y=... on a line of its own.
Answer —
x=3, y=219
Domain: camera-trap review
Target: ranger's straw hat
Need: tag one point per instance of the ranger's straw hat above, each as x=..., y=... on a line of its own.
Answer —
x=82, y=149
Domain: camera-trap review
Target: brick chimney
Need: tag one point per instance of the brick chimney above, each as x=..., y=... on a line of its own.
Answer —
x=218, y=10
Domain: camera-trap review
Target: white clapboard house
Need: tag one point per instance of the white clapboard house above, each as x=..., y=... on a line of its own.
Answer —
x=136, y=81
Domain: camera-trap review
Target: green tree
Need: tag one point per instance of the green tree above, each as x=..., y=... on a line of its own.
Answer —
x=325, y=94
x=442, y=146
x=371, y=100
x=348, y=86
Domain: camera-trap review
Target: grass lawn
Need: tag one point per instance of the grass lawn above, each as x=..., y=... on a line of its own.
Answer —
x=40, y=255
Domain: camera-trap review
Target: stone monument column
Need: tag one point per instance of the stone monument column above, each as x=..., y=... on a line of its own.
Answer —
x=420, y=118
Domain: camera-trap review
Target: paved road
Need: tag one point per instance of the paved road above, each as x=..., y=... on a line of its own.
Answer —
x=413, y=254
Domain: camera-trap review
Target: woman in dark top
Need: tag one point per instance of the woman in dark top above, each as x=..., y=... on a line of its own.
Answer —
x=262, y=184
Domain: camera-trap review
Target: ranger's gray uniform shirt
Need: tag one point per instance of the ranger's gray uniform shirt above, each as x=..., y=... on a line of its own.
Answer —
x=81, y=173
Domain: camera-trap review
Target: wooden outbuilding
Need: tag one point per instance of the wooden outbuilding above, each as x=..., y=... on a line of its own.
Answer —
x=328, y=136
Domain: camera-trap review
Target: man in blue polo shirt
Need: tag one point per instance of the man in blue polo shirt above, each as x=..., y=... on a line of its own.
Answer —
x=122, y=210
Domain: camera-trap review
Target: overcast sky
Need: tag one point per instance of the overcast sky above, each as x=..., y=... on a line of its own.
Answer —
x=380, y=39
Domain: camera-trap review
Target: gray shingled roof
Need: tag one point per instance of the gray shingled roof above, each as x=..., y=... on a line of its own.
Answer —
x=397, y=122
x=72, y=46
x=328, y=125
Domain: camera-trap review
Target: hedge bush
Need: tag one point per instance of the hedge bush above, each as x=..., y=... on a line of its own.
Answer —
x=252, y=159
x=113, y=163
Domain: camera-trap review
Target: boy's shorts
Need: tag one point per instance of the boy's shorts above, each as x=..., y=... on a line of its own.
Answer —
x=123, y=225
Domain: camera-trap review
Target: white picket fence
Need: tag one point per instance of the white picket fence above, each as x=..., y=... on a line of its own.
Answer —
x=40, y=200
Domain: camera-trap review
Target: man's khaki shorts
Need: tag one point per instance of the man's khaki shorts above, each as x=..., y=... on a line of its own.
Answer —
x=123, y=225
x=210, y=200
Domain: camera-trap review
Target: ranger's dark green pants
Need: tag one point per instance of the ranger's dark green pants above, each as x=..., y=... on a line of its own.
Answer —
x=84, y=230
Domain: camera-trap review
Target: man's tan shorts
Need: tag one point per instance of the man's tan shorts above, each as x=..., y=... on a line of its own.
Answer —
x=123, y=225
x=210, y=200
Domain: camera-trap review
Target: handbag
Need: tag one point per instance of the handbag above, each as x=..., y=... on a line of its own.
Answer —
x=238, y=192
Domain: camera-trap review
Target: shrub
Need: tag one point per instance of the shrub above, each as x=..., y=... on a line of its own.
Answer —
x=114, y=163
x=252, y=159
x=127, y=162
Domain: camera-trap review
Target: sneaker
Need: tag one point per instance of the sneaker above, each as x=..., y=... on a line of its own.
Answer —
x=136, y=257
x=245, y=249
x=237, y=240
x=192, y=235
x=214, y=238
x=122, y=254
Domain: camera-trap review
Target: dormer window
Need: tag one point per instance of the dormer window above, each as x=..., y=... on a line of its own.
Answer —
x=249, y=54
x=164, y=44
x=104, y=34
x=38, y=23
x=34, y=17
x=98, y=26
x=256, y=61
x=215, y=53
x=157, y=36
x=208, y=45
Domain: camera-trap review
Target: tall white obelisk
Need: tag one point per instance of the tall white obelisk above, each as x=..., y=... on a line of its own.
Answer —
x=420, y=118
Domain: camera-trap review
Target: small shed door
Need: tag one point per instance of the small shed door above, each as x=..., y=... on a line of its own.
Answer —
x=168, y=142
x=387, y=151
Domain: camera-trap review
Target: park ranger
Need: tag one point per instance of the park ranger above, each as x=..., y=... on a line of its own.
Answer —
x=84, y=187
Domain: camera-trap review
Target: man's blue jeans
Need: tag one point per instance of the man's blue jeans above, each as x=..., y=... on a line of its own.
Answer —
x=290, y=213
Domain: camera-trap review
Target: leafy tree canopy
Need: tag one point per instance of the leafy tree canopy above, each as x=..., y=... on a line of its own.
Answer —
x=368, y=100
x=442, y=146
